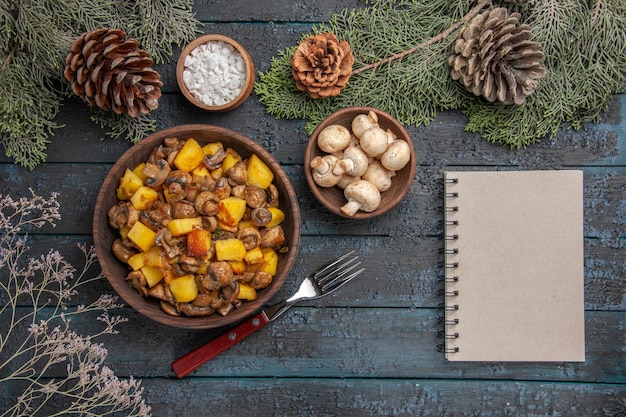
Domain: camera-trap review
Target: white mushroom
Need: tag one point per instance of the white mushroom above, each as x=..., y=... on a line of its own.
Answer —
x=396, y=156
x=322, y=168
x=378, y=175
x=361, y=195
x=374, y=141
x=345, y=180
x=353, y=162
x=333, y=138
x=362, y=122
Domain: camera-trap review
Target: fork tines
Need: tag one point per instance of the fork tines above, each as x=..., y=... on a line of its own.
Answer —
x=338, y=273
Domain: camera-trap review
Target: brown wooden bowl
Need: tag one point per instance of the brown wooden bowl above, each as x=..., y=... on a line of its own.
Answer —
x=332, y=197
x=247, y=88
x=104, y=235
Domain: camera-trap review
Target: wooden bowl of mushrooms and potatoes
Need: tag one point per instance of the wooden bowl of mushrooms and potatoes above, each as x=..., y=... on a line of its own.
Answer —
x=359, y=162
x=192, y=259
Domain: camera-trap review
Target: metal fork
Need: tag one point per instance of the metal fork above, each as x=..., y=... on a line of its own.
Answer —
x=319, y=283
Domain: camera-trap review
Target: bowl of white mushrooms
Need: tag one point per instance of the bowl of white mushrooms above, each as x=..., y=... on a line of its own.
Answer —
x=359, y=162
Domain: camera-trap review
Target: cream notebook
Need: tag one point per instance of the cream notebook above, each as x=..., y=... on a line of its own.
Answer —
x=514, y=266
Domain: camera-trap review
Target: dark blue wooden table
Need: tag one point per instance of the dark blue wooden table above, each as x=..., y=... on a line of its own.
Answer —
x=372, y=348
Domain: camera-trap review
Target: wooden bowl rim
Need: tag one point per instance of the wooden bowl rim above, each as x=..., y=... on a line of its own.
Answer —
x=320, y=193
x=250, y=73
x=150, y=308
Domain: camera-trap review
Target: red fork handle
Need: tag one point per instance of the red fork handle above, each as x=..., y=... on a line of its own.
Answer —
x=197, y=357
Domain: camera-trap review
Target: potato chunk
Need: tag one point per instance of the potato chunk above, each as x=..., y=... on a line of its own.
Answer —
x=129, y=184
x=231, y=210
x=152, y=274
x=278, y=216
x=198, y=243
x=229, y=250
x=142, y=236
x=246, y=292
x=179, y=227
x=269, y=263
x=232, y=157
x=189, y=156
x=259, y=174
x=143, y=198
x=184, y=289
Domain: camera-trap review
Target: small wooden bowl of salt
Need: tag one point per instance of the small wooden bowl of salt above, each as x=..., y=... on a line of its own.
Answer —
x=215, y=73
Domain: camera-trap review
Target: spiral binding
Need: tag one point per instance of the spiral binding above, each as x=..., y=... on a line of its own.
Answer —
x=450, y=265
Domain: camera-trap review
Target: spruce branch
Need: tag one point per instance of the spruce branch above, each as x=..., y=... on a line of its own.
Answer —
x=437, y=38
x=35, y=38
x=584, y=45
x=132, y=129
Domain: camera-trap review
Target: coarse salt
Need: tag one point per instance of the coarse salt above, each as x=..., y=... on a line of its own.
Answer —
x=215, y=73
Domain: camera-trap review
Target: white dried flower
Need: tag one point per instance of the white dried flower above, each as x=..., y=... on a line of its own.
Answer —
x=48, y=282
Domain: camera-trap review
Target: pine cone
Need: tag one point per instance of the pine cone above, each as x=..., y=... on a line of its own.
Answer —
x=321, y=65
x=494, y=57
x=110, y=72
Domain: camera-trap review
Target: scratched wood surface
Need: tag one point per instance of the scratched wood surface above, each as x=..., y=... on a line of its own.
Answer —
x=371, y=349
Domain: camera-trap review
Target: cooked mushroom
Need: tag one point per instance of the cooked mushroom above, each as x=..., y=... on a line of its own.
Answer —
x=274, y=237
x=156, y=172
x=221, y=271
x=203, y=182
x=222, y=188
x=160, y=214
x=245, y=276
x=216, y=299
x=260, y=280
x=250, y=236
x=333, y=138
x=353, y=162
x=214, y=161
x=207, y=203
x=238, y=173
x=255, y=196
x=229, y=294
x=322, y=167
x=178, y=177
x=136, y=280
x=261, y=216
x=183, y=210
x=207, y=283
x=361, y=195
x=124, y=251
x=203, y=299
x=272, y=196
x=189, y=263
x=209, y=223
x=123, y=214
x=162, y=292
x=192, y=310
x=170, y=244
x=169, y=308
x=238, y=190
x=144, y=217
